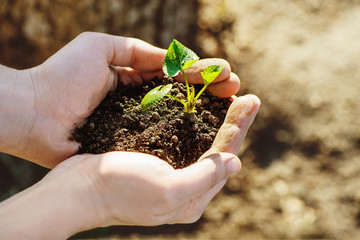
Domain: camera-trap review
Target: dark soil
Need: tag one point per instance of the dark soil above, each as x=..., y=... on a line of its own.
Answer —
x=164, y=130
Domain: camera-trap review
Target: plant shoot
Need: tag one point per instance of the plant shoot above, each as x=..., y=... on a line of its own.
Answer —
x=177, y=59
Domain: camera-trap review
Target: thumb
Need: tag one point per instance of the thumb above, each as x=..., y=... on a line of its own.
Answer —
x=204, y=175
x=238, y=120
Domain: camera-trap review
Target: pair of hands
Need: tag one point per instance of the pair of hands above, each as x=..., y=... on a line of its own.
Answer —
x=88, y=191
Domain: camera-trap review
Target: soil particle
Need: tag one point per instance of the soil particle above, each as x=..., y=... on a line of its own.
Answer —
x=174, y=139
x=156, y=115
x=205, y=114
x=213, y=119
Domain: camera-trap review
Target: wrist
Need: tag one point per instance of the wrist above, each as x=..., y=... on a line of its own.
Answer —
x=57, y=207
x=17, y=113
x=29, y=129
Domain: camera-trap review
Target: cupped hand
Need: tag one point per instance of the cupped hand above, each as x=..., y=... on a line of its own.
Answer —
x=124, y=188
x=129, y=188
x=72, y=83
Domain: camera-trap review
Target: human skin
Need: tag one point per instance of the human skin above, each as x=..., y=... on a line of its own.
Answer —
x=41, y=106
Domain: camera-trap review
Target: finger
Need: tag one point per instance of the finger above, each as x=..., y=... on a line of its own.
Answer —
x=202, y=176
x=131, y=77
x=225, y=88
x=148, y=76
x=193, y=209
x=193, y=73
x=240, y=116
x=196, y=207
x=232, y=98
x=134, y=53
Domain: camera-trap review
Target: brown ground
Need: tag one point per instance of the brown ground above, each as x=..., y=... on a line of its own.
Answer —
x=301, y=164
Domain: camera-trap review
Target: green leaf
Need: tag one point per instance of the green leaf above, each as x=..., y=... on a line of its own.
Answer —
x=176, y=58
x=210, y=73
x=154, y=95
x=189, y=63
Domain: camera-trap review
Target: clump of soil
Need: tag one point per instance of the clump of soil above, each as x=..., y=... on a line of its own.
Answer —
x=164, y=130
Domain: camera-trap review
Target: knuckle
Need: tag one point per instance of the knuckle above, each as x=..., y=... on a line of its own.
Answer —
x=86, y=35
x=155, y=220
x=194, y=218
x=213, y=179
x=169, y=195
x=193, y=214
x=216, y=175
x=91, y=38
x=132, y=56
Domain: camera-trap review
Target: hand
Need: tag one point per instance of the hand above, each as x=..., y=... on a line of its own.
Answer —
x=167, y=195
x=88, y=191
x=69, y=85
x=62, y=92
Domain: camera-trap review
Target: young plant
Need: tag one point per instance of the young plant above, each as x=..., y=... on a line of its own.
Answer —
x=177, y=59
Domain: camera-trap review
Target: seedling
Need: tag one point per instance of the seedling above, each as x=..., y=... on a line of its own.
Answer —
x=177, y=59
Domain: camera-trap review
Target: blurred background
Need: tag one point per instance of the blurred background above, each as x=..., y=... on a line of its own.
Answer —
x=301, y=159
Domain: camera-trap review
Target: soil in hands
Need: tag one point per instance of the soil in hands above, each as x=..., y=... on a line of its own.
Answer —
x=164, y=130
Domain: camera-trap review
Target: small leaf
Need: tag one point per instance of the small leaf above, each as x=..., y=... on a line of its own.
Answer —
x=176, y=58
x=154, y=95
x=210, y=73
x=189, y=63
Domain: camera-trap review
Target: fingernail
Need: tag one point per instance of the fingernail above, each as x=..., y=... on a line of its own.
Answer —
x=233, y=166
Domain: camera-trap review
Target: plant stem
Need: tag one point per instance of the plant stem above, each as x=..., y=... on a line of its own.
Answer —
x=199, y=93
x=189, y=106
x=187, y=84
x=179, y=100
